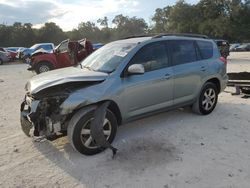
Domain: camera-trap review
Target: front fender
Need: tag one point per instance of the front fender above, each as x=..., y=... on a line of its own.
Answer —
x=81, y=98
x=44, y=57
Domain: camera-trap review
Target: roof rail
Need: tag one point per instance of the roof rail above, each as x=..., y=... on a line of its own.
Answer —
x=181, y=34
x=138, y=36
x=159, y=35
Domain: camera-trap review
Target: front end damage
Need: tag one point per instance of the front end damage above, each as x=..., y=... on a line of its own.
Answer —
x=53, y=98
x=45, y=93
x=41, y=111
x=43, y=116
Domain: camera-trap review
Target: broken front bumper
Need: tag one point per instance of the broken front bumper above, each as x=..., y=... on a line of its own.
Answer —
x=27, y=111
x=26, y=125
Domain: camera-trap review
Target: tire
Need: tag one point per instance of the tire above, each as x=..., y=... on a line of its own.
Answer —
x=80, y=142
x=207, y=100
x=43, y=67
x=1, y=62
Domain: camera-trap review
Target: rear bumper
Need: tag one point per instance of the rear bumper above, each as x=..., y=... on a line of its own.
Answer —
x=224, y=82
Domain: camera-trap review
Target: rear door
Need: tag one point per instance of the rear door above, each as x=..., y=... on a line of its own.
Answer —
x=188, y=69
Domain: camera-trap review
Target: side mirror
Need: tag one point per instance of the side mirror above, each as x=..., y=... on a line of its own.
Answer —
x=136, y=69
x=56, y=51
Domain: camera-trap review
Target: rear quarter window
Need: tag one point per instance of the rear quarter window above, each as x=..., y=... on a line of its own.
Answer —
x=206, y=49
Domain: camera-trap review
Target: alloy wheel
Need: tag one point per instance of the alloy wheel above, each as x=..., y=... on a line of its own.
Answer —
x=44, y=68
x=87, y=139
x=209, y=99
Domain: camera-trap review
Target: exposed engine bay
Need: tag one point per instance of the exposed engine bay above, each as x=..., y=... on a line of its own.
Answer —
x=42, y=110
x=41, y=113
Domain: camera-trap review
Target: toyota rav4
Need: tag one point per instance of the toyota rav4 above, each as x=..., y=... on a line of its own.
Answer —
x=136, y=76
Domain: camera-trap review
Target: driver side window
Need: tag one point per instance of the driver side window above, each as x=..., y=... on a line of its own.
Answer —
x=63, y=47
x=152, y=57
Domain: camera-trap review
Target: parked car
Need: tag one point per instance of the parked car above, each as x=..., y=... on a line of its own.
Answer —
x=14, y=49
x=4, y=57
x=67, y=53
x=25, y=53
x=134, y=78
x=223, y=46
x=97, y=46
x=233, y=46
x=12, y=54
x=242, y=48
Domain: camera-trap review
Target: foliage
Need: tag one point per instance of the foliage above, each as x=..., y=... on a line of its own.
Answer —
x=227, y=19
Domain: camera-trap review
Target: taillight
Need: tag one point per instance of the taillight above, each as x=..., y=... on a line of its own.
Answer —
x=223, y=59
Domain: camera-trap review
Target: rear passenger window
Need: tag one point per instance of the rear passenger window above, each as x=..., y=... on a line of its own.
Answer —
x=183, y=51
x=152, y=57
x=206, y=49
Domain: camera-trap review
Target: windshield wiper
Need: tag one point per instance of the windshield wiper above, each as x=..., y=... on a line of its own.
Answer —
x=87, y=67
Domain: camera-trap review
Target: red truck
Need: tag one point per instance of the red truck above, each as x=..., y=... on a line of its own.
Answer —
x=67, y=53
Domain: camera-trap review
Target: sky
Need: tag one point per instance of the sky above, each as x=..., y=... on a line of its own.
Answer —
x=69, y=13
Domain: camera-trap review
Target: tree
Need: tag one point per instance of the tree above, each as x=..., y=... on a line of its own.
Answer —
x=161, y=19
x=103, y=22
x=5, y=35
x=227, y=19
x=183, y=18
x=50, y=32
x=125, y=26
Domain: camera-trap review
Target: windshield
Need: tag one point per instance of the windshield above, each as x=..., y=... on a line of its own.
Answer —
x=107, y=58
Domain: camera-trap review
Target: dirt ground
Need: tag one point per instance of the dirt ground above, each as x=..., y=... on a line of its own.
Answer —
x=176, y=149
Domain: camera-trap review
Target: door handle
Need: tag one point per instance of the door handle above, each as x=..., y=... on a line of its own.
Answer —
x=167, y=76
x=203, y=68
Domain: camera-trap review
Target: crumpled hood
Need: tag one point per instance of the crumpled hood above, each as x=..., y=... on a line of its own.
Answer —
x=62, y=76
x=40, y=51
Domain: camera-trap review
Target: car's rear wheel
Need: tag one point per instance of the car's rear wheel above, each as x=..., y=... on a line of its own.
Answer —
x=43, y=67
x=79, y=131
x=207, y=100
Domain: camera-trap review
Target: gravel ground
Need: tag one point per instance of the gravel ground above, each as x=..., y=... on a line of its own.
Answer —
x=174, y=149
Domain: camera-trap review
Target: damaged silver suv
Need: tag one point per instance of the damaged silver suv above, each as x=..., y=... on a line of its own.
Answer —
x=133, y=77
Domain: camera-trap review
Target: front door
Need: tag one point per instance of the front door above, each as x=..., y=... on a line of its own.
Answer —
x=152, y=90
x=62, y=55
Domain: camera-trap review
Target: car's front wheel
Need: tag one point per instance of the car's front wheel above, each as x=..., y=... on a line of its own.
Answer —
x=43, y=67
x=207, y=100
x=79, y=131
